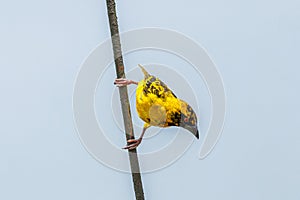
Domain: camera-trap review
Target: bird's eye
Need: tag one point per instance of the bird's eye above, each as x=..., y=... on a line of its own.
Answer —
x=186, y=119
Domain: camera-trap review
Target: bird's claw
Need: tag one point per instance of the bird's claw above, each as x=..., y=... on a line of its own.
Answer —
x=133, y=144
x=120, y=82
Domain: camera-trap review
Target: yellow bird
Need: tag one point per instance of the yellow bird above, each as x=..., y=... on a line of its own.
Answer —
x=158, y=106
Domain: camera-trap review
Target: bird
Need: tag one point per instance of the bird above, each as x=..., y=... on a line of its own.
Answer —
x=157, y=105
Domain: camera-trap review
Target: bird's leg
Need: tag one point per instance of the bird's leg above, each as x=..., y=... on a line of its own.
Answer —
x=133, y=143
x=120, y=82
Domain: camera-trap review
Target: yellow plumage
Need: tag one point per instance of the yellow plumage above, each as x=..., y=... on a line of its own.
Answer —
x=157, y=105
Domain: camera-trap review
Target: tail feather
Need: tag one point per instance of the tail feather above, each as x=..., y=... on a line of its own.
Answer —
x=146, y=74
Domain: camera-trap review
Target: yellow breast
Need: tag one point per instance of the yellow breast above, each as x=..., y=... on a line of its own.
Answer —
x=155, y=102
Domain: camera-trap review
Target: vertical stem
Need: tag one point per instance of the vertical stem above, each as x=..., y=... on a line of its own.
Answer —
x=134, y=163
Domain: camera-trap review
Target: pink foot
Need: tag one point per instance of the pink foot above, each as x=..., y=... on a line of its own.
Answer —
x=135, y=144
x=120, y=82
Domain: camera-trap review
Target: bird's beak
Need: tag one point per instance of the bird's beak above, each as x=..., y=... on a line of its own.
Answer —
x=192, y=129
x=197, y=134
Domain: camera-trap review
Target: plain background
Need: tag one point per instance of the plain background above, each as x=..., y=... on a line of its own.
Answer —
x=255, y=45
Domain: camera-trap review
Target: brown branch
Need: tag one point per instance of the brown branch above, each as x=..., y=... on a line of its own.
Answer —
x=134, y=164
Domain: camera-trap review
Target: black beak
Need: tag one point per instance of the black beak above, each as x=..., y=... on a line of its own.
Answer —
x=197, y=134
x=192, y=129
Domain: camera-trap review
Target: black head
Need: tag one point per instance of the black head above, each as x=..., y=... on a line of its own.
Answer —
x=188, y=119
x=192, y=129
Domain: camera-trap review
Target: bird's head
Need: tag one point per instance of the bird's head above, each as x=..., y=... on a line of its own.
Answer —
x=189, y=119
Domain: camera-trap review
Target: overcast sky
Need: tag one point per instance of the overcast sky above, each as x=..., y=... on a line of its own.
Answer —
x=255, y=45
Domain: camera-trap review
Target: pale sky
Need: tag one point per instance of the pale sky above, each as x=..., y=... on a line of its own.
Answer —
x=255, y=45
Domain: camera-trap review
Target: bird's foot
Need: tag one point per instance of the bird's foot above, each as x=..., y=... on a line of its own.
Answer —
x=120, y=82
x=133, y=144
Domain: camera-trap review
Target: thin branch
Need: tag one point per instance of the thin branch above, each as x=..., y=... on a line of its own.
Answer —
x=134, y=164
